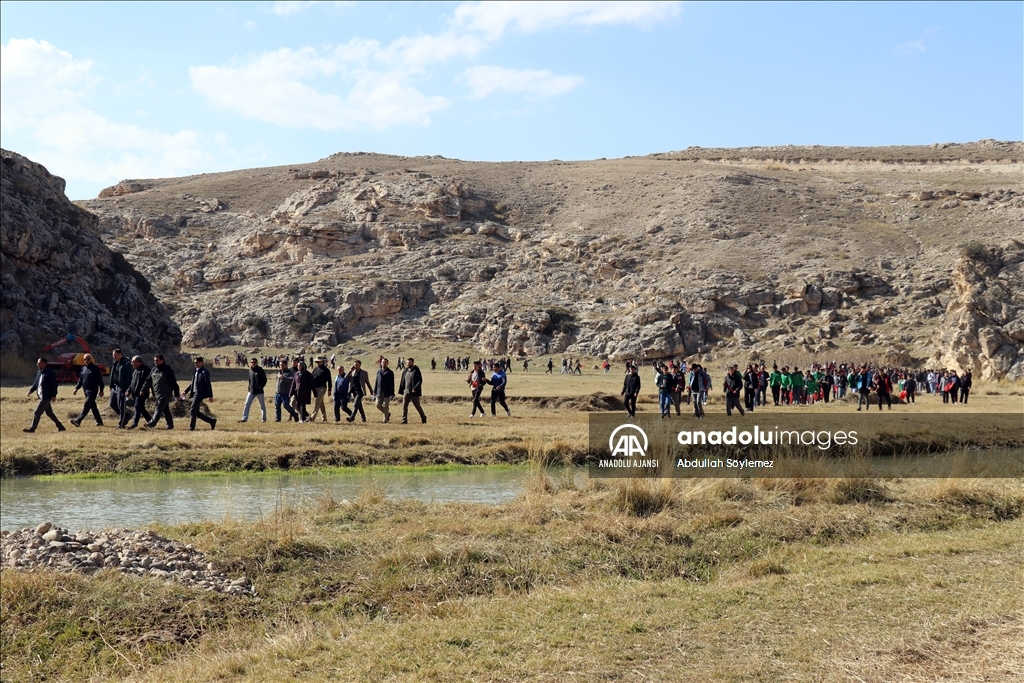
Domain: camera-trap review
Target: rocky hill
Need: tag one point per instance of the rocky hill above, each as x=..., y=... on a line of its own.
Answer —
x=908, y=252
x=58, y=277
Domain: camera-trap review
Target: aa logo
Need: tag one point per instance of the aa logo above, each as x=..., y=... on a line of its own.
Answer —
x=628, y=444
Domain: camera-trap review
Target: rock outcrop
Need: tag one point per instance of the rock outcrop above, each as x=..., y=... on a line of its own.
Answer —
x=739, y=253
x=984, y=326
x=58, y=277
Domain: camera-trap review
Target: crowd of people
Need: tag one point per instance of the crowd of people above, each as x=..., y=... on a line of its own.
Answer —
x=299, y=384
x=745, y=391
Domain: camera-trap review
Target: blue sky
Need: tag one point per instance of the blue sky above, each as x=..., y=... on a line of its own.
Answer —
x=101, y=92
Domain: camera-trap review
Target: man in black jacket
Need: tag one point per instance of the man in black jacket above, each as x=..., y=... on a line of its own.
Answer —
x=282, y=390
x=257, y=380
x=384, y=389
x=733, y=385
x=200, y=390
x=321, y=387
x=631, y=389
x=90, y=381
x=165, y=389
x=411, y=388
x=120, y=379
x=138, y=391
x=45, y=387
x=358, y=385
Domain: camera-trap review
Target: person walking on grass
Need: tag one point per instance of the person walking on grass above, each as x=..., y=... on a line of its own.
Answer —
x=384, y=389
x=138, y=391
x=965, y=387
x=883, y=388
x=302, y=392
x=321, y=387
x=282, y=391
x=165, y=389
x=663, y=380
x=120, y=379
x=411, y=388
x=732, y=385
x=90, y=381
x=201, y=389
x=477, y=380
x=498, y=382
x=257, y=382
x=45, y=388
x=358, y=385
x=862, y=383
x=699, y=383
x=341, y=394
x=631, y=390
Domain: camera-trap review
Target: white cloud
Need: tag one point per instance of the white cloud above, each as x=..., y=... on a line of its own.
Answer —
x=494, y=18
x=362, y=84
x=272, y=87
x=38, y=78
x=44, y=110
x=286, y=8
x=484, y=80
x=911, y=47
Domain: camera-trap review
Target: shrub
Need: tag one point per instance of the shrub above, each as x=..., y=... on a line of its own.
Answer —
x=974, y=251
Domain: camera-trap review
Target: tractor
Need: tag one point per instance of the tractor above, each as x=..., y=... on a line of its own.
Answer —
x=67, y=365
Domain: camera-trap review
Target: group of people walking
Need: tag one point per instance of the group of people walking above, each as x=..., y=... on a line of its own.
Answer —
x=744, y=391
x=296, y=387
x=131, y=384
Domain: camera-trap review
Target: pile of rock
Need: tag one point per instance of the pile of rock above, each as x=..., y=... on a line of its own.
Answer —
x=141, y=553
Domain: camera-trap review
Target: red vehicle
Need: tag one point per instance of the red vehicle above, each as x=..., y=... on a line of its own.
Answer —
x=67, y=365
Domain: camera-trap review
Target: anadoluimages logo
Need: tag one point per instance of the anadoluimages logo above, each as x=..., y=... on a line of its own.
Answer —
x=628, y=445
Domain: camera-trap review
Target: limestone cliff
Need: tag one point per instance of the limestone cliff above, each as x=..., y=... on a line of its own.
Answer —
x=58, y=277
x=757, y=252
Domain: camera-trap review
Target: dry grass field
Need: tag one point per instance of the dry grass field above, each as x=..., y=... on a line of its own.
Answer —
x=549, y=411
x=704, y=580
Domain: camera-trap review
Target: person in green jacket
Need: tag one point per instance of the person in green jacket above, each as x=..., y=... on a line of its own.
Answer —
x=775, y=382
x=786, y=382
x=811, y=386
x=797, y=378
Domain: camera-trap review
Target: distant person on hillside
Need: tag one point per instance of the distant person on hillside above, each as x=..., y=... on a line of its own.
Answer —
x=200, y=389
x=257, y=381
x=477, y=380
x=526, y=365
x=551, y=367
x=45, y=388
x=90, y=381
x=498, y=382
x=165, y=389
x=138, y=391
x=410, y=389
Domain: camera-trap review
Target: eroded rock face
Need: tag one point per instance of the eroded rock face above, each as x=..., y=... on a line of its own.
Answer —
x=59, y=277
x=727, y=252
x=984, y=329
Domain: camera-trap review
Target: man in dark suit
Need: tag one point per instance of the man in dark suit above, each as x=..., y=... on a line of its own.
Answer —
x=45, y=387
x=200, y=390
